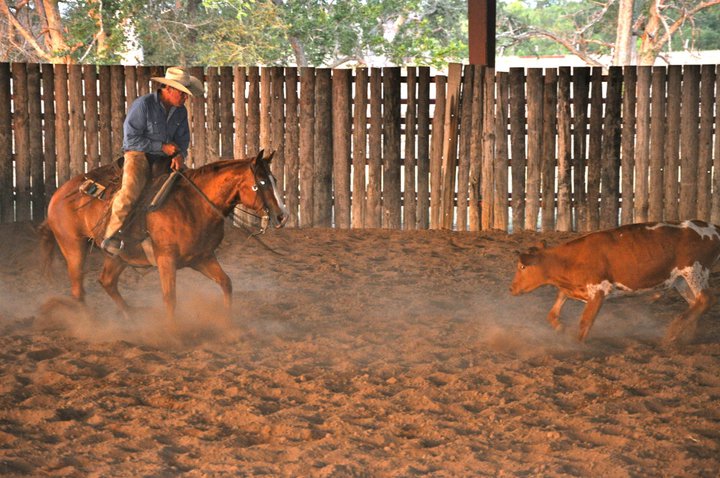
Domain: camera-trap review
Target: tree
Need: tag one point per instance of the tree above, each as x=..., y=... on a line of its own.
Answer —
x=25, y=22
x=624, y=29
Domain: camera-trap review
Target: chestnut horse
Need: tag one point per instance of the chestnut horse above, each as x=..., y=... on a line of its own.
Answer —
x=184, y=231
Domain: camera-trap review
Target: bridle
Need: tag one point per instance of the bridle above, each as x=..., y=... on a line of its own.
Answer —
x=264, y=220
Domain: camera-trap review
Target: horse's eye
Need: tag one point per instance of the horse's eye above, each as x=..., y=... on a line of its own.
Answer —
x=262, y=183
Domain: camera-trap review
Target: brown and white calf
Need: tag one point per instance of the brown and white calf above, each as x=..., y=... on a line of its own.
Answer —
x=628, y=259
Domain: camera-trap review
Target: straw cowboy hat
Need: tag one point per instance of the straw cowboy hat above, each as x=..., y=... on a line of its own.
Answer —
x=181, y=80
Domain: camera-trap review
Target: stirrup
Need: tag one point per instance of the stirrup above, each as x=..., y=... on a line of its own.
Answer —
x=112, y=245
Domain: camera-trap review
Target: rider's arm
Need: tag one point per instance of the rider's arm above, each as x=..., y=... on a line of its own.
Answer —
x=142, y=129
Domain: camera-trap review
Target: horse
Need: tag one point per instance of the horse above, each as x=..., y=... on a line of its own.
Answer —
x=183, y=232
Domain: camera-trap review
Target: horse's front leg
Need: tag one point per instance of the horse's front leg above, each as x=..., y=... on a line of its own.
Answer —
x=112, y=268
x=167, y=266
x=210, y=268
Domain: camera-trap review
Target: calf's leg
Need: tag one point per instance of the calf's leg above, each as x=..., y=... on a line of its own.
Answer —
x=682, y=329
x=554, y=315
x=589, y=313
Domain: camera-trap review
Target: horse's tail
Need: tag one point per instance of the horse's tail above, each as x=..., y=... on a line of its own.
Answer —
x=48, y=246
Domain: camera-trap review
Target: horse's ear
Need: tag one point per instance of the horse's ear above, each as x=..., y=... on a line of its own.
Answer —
x=259, y=155
x=269, y=158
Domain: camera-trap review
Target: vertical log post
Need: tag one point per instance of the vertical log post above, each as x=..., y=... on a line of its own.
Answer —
x=672, y=143
x=463, y=168
x=594, y=151
x=198, y=147
x=549, y=162
x=373, y=212
x=580, y=107
x=518, y=161
x=392, y=162
x=450, y=143
x=49, y=157
x=359, y=147
x=657, y=145
x=105, y=111
x=534, y=147
x=409, y=198
x=341, y=148
x=423, y=148
x=689, y=150
x=292, y=146
x=500, y=202
x=226, y=112
x=476, y=150
x=22, y=142
x=322, y=184
x=239, y=80
x=627, y=155
x=487, y=187
x=35, y=134
x=564, y=138
x=642, y=147
x=704, y=178
x=91, y=116
x=610, y=174
x=253, y=112
x=7, y=213
x=438, y=128
x=307, y=144
x=277, y=124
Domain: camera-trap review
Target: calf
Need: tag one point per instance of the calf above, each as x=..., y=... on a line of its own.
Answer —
x=628, y=259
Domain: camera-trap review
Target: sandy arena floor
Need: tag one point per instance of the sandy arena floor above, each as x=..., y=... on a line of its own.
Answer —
x=357, y=353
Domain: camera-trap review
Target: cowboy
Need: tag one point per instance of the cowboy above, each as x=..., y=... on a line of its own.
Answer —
x=156, y=127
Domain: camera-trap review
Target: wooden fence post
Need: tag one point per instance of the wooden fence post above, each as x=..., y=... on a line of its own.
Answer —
x=105, y=111
x=253, y=112
x=627, y=185
x=359, y=147
x=277, y=124
x=49, y=157
x=610, y=172
x=476, y=149
x=488, y=151
x=7, y=214
x=594, y=151
x=564, y=138
x=373, y=212
x=409, y=198
x=715, y=205
x=117, y=107
x=581, y=95
x=322, y=184
x=292, y=143
x=642, y=146
x=534, y=147
x=341, y=136
x=450, y=143
x=392, y=164
x=549, y=161
x=240, y=119
x=704, y=178
x=265, y=128
x=307, y=145
x=22, y=142
x=35, y=134
x=423, y=148
x=689, y=126
x=463, y=168
x=226, y=112
x=212, y=120
x=658, y=124
x=672, y=143
x=77, y=120
x=518, y=161
x=91, y=116
x=500, y=166
x=438, y=128
x=198, y=147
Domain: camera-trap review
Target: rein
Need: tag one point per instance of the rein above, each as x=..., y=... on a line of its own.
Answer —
x=232, y=216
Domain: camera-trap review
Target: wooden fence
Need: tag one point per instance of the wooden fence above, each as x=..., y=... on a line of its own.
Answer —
x=556, y=149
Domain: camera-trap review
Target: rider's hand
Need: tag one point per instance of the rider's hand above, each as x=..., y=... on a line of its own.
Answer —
x=177, y=163
x=170, y=149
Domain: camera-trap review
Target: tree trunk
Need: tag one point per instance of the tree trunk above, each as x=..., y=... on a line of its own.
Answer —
x=623, y=38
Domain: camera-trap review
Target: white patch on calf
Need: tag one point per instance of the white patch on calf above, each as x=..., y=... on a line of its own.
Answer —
x=696, y=276
x=710, y=231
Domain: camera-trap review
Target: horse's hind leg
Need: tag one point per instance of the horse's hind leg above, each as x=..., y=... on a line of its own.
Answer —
x=75, y=252
x=211, y=269
x=112, y=268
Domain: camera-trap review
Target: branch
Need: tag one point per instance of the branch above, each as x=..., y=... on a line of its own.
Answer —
x=562, y=41
x=25, y=33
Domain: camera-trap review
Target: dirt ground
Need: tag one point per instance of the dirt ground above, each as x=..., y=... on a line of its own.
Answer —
x=355, y=353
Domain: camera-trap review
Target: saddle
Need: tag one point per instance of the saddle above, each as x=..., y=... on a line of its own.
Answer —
x=104, y=182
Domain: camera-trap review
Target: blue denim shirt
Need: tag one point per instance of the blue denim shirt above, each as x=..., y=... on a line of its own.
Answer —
x=147, y=126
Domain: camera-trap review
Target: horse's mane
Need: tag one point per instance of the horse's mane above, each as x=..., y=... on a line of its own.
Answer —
x=217, y=166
